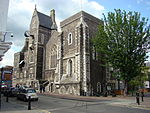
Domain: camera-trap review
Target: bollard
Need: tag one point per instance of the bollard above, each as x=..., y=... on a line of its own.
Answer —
x=137, y=98
x=29, y=103
x=142, y=95
x=7, y=97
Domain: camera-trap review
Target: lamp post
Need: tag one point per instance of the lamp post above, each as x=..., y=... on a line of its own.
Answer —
x=4, y=46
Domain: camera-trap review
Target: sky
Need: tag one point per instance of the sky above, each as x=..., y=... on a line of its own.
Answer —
x=20, y=14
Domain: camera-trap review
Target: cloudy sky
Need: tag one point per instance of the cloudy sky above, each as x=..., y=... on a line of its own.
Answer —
x=20, y=13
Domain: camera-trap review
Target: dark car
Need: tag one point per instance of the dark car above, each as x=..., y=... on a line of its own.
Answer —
x=8, y=91
x=25, y=93
x=15, y=92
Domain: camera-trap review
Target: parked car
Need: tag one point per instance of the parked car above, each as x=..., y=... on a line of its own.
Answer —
x=3, y=89
x=8, y=91
x=15, y=91
x=25, y=93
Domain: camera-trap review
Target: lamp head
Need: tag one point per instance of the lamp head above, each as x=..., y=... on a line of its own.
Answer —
x=11, y=35
x=27, y=34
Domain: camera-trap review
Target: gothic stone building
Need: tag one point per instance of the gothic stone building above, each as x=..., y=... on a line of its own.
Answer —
x=64, y=62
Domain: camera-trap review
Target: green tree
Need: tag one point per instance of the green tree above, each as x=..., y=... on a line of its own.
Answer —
x=121, y=42
x=139, y=80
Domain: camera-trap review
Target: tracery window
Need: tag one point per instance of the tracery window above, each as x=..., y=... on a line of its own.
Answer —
x=53, y=57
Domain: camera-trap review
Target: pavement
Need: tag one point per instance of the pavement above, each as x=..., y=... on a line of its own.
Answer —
x=119, y=100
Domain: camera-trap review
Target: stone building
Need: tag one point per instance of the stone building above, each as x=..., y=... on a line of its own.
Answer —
x=63, y=62
x=29, y=62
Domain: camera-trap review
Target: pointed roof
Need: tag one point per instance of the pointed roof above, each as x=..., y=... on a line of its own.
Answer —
x=44, y=20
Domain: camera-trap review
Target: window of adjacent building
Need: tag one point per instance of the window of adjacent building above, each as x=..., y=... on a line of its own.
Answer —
x=17, y=75
x=70, y=67
x=31, y=70
x=69, y=38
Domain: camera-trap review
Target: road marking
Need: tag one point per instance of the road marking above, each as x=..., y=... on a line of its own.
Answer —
x=45, y=111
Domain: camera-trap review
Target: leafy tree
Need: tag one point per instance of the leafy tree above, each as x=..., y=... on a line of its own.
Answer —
x=121, y=41
x=139, y=80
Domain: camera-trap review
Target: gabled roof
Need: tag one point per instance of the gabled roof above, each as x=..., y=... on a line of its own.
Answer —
x=44, y=20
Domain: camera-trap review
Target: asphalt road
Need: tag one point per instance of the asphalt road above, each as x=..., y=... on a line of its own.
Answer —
x=47, y=104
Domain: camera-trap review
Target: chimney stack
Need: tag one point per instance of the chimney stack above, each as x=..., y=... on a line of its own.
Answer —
x=52, y=14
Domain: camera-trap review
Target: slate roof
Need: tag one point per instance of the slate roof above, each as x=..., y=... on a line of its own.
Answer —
x=45, y=20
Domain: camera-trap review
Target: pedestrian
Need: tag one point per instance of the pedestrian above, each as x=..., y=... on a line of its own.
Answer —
x=40, y=88
x=43, y=88
x=142, y=95
x=137, y=98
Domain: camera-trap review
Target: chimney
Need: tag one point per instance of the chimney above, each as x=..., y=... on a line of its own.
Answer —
x=52, y=15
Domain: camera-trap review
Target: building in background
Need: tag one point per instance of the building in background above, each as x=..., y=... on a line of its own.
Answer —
x=6, y=76
x=147, y=83
x=4, y=46
x=61, y=62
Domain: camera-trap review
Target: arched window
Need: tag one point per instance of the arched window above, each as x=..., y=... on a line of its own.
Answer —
x=70, y=67
x=53, y=57
x=98, y=87
x=69, y=38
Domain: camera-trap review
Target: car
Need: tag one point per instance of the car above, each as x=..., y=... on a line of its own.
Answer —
x=15, y=91
x=8, y=91
x=26, y=92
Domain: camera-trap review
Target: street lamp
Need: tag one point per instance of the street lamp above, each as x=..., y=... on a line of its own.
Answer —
x=28, y=34
x=4, y=46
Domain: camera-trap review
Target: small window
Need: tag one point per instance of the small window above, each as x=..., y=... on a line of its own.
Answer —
x=70, y=67
x=69, y=38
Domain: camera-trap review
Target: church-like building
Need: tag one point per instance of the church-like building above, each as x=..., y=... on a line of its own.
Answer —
x=62, y=62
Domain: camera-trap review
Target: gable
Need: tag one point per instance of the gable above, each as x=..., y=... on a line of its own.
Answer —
x=44, y=20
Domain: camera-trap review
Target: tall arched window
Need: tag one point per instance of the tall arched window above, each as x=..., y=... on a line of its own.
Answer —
x=70, y=67
x=53, y=57
x=69, y=38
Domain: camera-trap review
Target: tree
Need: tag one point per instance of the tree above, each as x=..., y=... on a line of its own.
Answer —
x=138, y=81
x=121, y=42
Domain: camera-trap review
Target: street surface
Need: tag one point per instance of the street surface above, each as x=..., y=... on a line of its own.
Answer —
x=49, y=104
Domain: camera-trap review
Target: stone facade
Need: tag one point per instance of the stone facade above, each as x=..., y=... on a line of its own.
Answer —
x=64, y=62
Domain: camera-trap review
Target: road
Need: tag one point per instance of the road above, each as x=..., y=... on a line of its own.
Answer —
x=48, y=104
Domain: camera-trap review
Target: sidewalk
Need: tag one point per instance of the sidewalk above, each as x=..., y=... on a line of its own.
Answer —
x=12, y=107
x=128, y=101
